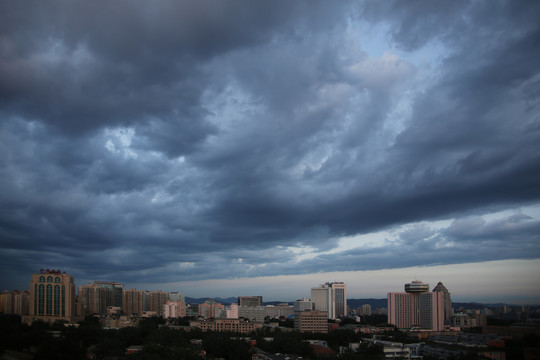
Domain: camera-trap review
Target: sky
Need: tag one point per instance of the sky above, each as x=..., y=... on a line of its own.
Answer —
x=225, y=148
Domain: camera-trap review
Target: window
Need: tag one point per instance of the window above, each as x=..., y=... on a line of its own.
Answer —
x=57, y=280
x=41, y=299
x=42, y=279
x=35, y=299
x=49, y=299
x=56, y=300
x=49, y=278
x=63, y=301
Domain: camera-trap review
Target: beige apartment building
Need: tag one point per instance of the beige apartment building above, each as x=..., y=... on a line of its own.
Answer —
x=52, y=297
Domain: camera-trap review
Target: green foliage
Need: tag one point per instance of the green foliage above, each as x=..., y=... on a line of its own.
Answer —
x=287, y=343
x=223, y=346
x=375, y=319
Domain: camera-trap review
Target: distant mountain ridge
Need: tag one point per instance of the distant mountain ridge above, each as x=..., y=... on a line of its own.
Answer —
x=352, y=303
x=224, y=301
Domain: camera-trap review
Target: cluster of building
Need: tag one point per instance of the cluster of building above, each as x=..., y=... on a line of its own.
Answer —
x=52, y=296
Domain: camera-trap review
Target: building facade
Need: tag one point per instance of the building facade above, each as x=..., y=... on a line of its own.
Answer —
x=96, y=297
x=447, y=301
x=250, y=301
x=311, y=321
x=15, y=302
x=331, y=298
x=52, y=297
x=232, y=325
x=208, y=309
x=174, y=309
x=133, y=302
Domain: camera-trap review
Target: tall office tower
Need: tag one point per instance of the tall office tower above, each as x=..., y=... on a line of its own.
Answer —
x=330, y=297
x=96, y=297
x=339, y=298
x=133, y=302
x=52, y=297
x=447, y=301
x=250, y=301
x=416, y=307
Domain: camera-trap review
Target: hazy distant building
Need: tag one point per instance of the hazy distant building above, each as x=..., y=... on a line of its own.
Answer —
x=229, y=312
x=174, y=309
x=311, y=321
x=416, y=307
x=330, y=298
x=260, y=313
x=447, y=301
x=176, y=296
x=250, y=300
x=52, y=297
x=209, y=307
x=302, y=304
x=364, y=309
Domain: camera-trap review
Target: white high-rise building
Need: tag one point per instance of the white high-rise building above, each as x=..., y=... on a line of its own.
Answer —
x=331, y=298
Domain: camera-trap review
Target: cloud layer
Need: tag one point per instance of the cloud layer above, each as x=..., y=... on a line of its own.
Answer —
x=166, y=141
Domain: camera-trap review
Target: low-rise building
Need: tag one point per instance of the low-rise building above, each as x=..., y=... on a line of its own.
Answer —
x=311, y=321
x=233, y=325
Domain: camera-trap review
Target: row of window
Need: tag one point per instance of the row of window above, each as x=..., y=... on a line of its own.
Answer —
x=50, y=279
x=53, y=305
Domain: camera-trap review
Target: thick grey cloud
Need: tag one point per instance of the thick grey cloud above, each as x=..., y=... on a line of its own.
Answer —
x=166, y=140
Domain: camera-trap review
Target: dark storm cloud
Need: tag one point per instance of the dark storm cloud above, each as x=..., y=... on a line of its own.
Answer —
x=166, y=139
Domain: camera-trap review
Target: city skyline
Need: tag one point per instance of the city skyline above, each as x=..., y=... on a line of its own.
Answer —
x=373, y=284
x=262, y=148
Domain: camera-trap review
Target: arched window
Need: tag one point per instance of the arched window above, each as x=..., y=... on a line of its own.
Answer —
x=63, y=300
x=35, y=299
x=41, y=299
x=57, y=280
x=42, y=279
x=56, y=300
x=49, y=278
x=49, y=300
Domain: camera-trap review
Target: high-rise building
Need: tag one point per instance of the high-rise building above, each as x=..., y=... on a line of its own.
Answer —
x=52, y=297
x=447, y=301
x=133, y=301
x=331, y=298
x=250, y=301
x=97, y=297
x=416, y=307
x=157, y=300
x=339, y=298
